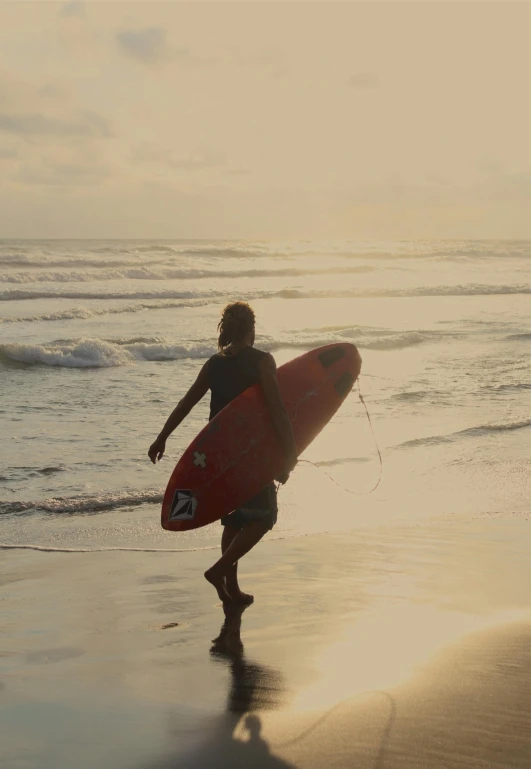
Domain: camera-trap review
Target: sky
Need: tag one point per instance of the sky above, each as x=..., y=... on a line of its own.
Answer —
x=381, y=119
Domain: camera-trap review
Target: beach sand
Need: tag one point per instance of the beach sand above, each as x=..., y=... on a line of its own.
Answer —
x=405, y=646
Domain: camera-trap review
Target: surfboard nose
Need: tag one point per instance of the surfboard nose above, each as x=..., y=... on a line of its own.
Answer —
x=332, y=354
x=346, y=352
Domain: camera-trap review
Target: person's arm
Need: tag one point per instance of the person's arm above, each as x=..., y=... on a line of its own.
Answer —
x=279, y=415
x=183, y=408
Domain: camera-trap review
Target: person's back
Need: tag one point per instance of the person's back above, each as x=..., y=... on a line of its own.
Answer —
x=230, y=374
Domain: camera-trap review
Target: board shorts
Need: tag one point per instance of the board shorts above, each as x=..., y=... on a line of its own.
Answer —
x=261, y=508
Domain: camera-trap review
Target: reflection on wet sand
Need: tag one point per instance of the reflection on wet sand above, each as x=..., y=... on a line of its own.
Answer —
x=253, y=687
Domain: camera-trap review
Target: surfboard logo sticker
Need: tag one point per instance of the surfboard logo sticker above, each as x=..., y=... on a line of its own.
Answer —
x=200, y=459
x=183, y=506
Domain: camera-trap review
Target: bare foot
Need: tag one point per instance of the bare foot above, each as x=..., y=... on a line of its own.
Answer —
x=227, y=643
x=218, y=582
x=244, y=599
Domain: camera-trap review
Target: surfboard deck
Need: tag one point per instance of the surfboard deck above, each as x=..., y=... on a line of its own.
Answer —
x=238, y=452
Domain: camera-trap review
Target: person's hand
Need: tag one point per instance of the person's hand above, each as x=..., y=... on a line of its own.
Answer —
x=157, y=449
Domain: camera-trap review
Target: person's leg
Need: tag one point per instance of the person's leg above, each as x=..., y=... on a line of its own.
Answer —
x=240, y=544
x=231, y=578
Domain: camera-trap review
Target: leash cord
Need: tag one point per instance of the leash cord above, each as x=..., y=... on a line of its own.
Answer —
x=349, y=491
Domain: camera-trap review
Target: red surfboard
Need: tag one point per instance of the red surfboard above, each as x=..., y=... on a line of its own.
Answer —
x=238, y=452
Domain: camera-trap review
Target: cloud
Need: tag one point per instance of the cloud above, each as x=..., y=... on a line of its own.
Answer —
x=274, y=61
x=147, y=153
x=363, y=80
x=498, y=182
x=68, y=174
x=150, y=46
x=510, y=187
x=54, y=91
x=35, y=124
x=201, y=157
x=8, y=152
x=75, y=8
x=435, y=177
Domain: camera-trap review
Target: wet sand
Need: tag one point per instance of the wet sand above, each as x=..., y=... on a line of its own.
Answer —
x=389, y=648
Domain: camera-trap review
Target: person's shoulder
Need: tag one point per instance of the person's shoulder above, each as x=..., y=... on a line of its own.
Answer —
x=266, y=362
x=258, y=356
x=257, y=353
x=213, y=362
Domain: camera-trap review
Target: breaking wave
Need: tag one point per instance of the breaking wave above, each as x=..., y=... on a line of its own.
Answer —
x=145, y=273
x=110, y=549
x=82, y=253
x=17, y=294
x=98, y=353
x=126, y=253
x=418, y=395
x=68, y=261
x=365, y=339
x=102, y=353
x=509, y=387
x=82, y=313
x=287, y=293
x=341, y=461
x=84, y=504
x=461, y=290
x=396, y=341
x=11, y=474
x=480, y=430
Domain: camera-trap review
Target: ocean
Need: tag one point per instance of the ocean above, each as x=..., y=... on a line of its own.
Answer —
x=100, y=339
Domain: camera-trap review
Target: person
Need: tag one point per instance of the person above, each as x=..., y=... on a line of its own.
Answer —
x=237, y=366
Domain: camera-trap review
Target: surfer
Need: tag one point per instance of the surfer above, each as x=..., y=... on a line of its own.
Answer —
x=237, y=366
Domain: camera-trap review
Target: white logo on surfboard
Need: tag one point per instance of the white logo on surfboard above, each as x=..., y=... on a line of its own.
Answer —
x=200, y=460
x=183, y=506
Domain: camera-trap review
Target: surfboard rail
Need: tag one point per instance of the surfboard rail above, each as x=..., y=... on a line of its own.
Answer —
x=238, y=452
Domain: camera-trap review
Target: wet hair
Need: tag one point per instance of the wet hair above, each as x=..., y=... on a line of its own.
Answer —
x=236, y=321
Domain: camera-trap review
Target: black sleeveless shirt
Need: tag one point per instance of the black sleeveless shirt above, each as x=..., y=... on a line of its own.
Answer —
x=230, y=375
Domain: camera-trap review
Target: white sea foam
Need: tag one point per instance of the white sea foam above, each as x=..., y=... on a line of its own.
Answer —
x=82, y=313
x=101, y=353
x=476, y=431
x=104, y=501
x=145, y=273
x=51, y=549
x=15, y=294
x=83, y=353
x=82, y=254
x=397, y=341
x=444, y=290
x=288, y=293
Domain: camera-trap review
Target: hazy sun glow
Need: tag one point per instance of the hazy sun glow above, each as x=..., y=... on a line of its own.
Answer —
x=386, y=646
x=269, y=119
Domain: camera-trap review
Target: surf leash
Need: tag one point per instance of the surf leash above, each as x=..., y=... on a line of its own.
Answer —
x=388, y=727
x=380, y=474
